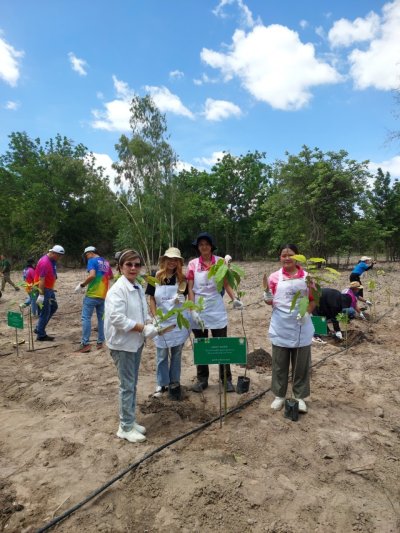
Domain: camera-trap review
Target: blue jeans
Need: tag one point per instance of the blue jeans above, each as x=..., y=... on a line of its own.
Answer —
x=31, y=300
x=127, y=364
x=166, y=375
x=350, y=312
x=48, y=309
x=89, y=305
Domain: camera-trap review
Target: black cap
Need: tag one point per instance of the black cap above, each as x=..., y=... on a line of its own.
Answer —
x=204, y=235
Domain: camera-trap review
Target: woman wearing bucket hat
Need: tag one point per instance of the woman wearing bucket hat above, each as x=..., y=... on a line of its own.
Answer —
x=169, y=293
x=365, y=263
x=353, y=291
x=214, y=315
x=290, y=333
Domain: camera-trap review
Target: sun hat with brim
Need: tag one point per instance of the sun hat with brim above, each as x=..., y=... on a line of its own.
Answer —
x=57, y=249
x=365, y=258
x=89, y=249
x=355, y=285
x=172, y=253
x=204, y=235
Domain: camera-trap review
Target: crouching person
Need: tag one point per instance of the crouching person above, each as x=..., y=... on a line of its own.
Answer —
x=126, y=314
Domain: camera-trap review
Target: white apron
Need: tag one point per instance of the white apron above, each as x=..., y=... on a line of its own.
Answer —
x=214, y=315
x=164, y=296
x=284, y=329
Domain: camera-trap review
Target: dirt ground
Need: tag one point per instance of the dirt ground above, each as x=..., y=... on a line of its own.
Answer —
x=335, y=470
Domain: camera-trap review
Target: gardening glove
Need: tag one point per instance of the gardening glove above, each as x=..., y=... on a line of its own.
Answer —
x=362, y=316
x=179, y=298
x=227, y=259
x=368, y=302
x=237, y=304
x=303, y=319
x=150, y=331
x=268, y=297
x=40, y=300
x=197, y=320
x=79, y=288
x=339, y=335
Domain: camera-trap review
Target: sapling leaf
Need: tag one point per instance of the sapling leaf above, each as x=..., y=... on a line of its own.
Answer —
x=303, y=304
x=317, y=260
x=332, y=271
x=238, y=270
x=294, y=301
x=300, y=258
x=179, y=320
x=151, y=280
x=231, y=279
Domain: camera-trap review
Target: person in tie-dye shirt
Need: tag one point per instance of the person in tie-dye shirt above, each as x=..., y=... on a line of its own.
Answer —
x=97, y=284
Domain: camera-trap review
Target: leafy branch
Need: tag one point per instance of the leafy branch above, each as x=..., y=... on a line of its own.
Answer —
x=181, y=320
x=225, y=270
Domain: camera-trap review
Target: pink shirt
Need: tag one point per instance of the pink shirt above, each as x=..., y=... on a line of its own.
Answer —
x=46, y=268
x=274, y=278
x=198, y=265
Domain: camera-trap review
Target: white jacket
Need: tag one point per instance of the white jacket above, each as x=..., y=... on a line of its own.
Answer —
x=125, y=306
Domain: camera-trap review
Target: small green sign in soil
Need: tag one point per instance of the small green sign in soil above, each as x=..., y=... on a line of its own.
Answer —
x=320, y=326
x=220, y=351
x=15, y=320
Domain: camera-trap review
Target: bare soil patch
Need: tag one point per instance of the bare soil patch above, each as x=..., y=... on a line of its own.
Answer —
x=335, y=470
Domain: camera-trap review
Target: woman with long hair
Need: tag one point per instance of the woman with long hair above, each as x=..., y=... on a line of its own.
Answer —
x=169, y=293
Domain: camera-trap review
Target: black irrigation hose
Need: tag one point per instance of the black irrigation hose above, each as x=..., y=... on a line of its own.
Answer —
x=133, y=466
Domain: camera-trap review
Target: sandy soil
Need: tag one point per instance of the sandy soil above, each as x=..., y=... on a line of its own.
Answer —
x=335, y=470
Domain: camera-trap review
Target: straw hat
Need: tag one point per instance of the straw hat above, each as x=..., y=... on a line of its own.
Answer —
x=172, y=253
x=355, y=285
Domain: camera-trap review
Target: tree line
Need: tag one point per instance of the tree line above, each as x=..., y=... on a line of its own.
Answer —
x=327, y=203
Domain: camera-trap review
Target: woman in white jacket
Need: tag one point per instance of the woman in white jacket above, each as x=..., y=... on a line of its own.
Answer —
x=126, y=314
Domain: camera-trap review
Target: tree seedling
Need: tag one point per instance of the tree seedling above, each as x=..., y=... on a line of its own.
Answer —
x=343, y=318
x=225, y=270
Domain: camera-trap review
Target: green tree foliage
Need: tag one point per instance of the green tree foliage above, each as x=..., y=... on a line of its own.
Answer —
x=53, y=193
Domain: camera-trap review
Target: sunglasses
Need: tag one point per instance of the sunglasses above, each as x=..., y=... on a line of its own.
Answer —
x=130, y=264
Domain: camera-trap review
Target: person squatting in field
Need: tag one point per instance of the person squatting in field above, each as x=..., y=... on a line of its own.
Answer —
x=45, y=279
x=96, y=283
x=169, y=293
x=354, y=310
x=126, y=326
x=331, y=302
x=290, y=333
x=214, y=315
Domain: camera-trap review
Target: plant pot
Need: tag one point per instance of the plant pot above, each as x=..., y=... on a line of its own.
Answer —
x=292, y=409
x=243, y=384
x=175, y=392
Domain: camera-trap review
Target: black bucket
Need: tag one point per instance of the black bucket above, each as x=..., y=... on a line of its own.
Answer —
x=292, y=409
x=175, y=392
x=243, y=384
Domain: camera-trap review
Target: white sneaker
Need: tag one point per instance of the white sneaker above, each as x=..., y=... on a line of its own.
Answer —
x=132, y=436
x=318, y=340
x=160, y=391
x=139, y=428
x=278, y=403
x=302, y=406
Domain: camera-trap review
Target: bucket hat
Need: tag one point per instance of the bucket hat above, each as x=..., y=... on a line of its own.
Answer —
x=204, y=235
x=172, y=253
x=57, y=249
x=355, y=285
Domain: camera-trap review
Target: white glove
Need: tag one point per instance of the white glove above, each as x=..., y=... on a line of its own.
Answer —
x=339, y=335
x=150, y=331
x=227, y=259
x=179, y=298
x=303, y=319
x=368, y=302
x=196, y=319
x=268, y=296
x=237, y=304
x=79, y=288
x=362, y=316
x=40, y=300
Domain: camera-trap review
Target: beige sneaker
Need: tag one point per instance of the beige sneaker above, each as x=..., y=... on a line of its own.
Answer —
x=132, y=436
x=302, y=406
x=278, y=403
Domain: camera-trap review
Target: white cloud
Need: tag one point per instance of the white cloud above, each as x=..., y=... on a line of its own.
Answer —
x=344, y=32
x=273, y=65
x=78, y=65
x=167, y=101
x=205, y=79
x=246, y=16
x=183, y=165
x=303, y=24
x=9, y=63
x=319, y=30
x=176, y=74
x=390, y=165
x=220, y=109
x=12, y=106
x=210, y=161
x=379, y=65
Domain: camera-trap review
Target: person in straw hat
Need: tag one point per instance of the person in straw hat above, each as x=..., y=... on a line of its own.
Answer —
x=168, y=293
x=353, y=291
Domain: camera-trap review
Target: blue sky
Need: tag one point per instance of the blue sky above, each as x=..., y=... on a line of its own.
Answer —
x=230, y=75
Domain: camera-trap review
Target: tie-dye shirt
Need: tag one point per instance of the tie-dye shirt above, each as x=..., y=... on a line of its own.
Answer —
x=98, y=287
x=46, y=268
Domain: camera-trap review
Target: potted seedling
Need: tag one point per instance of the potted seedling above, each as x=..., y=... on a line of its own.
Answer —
x=344, y=320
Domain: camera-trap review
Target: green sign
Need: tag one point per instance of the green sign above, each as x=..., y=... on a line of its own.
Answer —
x=320, y=326
x=15, y=320
x=220, y=351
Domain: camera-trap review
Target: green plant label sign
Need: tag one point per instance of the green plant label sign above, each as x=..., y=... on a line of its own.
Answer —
x=15, y=320
x=220, y=351
x=320, y=326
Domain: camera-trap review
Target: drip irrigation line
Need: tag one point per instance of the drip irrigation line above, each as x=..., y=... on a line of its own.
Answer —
x=167, y=444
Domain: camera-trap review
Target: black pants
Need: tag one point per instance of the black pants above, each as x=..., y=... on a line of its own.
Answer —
x=203, y=370
x=356, y=277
